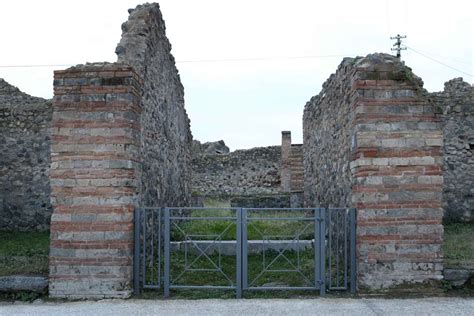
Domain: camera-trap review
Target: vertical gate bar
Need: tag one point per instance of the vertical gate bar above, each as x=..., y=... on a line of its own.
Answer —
x=136, y=256
x=322, y=240
x=346, y=211
x=353, y=267
x=337, y=226
x=159, y=246
x=238, y=290
x=152, y=246
x=144, y=220
x=330, y=246
x=166, y=284
x=317, y=248
x=244, y=249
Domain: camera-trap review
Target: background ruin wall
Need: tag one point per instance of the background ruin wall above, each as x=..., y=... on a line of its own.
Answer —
x=241, y=172
x=383, y=141
x=120, y=139
x=24, y=160
x=456, y=103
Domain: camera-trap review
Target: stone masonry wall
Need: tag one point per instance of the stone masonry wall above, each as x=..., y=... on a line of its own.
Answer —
x=457, y=105
x=95, y=172
x=241, y=172
x=166, y=136
x=24, y=160
x=383, y=118
x=327, y=133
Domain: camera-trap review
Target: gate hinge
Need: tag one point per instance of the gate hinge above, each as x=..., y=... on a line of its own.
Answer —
x=320, y=282
x=319, y=219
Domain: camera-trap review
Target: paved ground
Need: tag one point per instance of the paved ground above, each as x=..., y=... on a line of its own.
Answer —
x=364, y=307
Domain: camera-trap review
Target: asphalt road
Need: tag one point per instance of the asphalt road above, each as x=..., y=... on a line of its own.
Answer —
x=320, y=306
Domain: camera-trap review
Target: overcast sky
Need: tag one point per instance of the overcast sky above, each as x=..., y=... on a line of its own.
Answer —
x=245, y=103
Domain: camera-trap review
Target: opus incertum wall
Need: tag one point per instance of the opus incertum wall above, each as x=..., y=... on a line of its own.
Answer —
x=373, y=141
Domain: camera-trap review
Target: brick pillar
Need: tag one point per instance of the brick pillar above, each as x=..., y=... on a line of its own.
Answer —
x=285, y=173
x=397, y=179
x=94, y=172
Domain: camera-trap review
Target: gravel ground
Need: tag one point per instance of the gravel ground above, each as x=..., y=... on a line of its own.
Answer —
x=321, y=306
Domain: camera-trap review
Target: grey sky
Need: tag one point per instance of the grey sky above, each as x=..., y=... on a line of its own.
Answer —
x=246, y=103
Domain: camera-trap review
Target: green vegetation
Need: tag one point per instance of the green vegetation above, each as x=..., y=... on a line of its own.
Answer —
x=24, y=253
x=257, y=229
x=458, y=246
x=227, y=264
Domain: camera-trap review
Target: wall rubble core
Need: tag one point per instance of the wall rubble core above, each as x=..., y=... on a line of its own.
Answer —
x=385, y=159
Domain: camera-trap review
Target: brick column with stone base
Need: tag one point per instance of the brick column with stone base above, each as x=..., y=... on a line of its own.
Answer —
x=94, y=180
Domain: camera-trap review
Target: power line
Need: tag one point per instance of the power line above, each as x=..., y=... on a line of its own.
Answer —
x=199, y=60
x=259, y=58
x=34, y=66
x=439, y=62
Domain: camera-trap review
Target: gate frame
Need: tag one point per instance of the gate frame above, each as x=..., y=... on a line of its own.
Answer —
x=321, y=238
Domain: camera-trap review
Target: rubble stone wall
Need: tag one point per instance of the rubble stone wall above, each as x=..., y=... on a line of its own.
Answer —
x=24, y=160
x=241, y=172
x=165, y=127
x=456, y=103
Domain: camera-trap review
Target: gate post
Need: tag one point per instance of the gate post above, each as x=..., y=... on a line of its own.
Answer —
x=322, y=247
x=353, y=263
x=136, y=250
x=166, y=285
x=238, y=254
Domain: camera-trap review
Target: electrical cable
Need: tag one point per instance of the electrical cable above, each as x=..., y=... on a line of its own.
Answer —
x=437, y=61
x=200, y=60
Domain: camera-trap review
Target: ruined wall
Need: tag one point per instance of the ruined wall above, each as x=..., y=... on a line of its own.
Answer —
x=166, y=136
x=241, y=172
x=327, y=134
x=457, y=105
x=24, y=160
x=120, y=139
x=392, y=139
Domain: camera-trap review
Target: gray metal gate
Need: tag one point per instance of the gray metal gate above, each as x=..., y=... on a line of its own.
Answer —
x=244, y=249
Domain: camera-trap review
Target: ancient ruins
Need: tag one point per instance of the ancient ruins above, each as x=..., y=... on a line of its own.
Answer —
x=116, y=136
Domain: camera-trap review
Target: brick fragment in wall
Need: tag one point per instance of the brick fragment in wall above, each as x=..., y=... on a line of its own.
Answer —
x=373, y=140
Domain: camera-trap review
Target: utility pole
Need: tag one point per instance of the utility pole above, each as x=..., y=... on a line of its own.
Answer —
x=398, y=44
